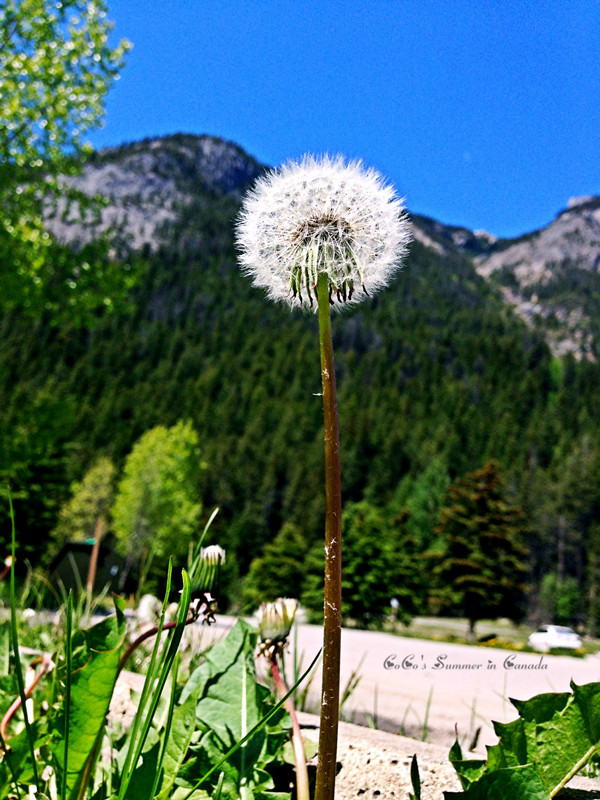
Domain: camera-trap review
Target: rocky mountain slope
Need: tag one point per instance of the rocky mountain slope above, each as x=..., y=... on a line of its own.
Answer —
x=148, y=183
x=550, y=277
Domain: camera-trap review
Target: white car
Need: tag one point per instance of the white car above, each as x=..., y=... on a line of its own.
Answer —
x=549, y=637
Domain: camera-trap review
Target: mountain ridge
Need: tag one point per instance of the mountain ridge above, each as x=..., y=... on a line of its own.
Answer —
x=550, y=277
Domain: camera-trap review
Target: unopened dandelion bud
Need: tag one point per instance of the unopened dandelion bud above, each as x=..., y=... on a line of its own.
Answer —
x=213, y=555
x=275, y=621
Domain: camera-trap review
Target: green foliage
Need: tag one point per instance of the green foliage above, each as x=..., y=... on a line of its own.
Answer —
x=433, y=374
x=380, y=563
x=91, y=499
x=221, y=732
x=157, y=507
x=421, y=498
x=553, y=738
x=415, y=779
x=481, y=569
x=230, y=703
x=56, y=67
x=560, y=600
x=279, y=571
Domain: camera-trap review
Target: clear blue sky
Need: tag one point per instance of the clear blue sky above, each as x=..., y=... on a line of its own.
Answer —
x=483, y=113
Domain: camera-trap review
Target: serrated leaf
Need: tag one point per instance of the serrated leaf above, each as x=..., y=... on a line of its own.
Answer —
x=555, y=735
x=519, y=783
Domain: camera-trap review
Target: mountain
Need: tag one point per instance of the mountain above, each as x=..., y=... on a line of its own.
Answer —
x=437, y=375
x=550, y=277
x=149, y=183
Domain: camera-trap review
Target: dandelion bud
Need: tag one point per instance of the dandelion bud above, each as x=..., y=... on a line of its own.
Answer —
x=213, y=555
x=275, y=621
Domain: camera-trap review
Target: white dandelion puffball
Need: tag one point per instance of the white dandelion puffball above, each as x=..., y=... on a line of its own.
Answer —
x=322, y=216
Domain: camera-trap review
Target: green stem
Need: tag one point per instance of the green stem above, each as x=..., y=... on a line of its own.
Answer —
x=332, y=623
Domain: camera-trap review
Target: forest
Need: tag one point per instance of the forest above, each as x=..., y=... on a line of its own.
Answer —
x=439, y=384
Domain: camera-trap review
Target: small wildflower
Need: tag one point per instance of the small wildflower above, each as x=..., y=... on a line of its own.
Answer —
x=322, y=215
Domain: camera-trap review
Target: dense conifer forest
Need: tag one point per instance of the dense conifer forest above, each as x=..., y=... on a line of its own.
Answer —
x=437, y=378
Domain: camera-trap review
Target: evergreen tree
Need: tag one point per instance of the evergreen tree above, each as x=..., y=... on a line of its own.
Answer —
x=481, y=572
x=379, y=564
x=279, y=571
x=421, y=499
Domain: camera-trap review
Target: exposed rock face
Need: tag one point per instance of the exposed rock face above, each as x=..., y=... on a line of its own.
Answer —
x=551, y=277
x=572, y=240
x=148, y=183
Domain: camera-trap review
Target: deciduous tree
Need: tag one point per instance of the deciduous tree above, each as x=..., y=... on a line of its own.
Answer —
x=157, y=505
x=56, y=66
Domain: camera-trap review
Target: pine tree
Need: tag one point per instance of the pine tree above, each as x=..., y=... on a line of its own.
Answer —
x=279, y=572
x=481, y=571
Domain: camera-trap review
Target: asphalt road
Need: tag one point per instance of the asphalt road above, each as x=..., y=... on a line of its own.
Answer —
x=419, y=687
x=424, y=689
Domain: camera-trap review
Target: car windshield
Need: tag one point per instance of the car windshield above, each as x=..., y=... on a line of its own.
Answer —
x=565, y=631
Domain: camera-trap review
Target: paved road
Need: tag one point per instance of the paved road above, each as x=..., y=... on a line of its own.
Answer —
x=412, y=685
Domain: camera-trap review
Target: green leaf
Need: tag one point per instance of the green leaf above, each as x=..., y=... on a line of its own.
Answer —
x=92, y=684
x=140, y=786
x=468, y=771
x=231, y=702
x=309, y=746
x=232, y=708
x=521, y=783
x=554, y=737
x=415, y=778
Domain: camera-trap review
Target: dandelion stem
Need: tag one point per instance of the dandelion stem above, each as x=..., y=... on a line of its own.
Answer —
x=302, y=791
x=332, y=625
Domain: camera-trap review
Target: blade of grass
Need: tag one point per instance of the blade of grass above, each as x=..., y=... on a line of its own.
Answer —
x=15, y=643
x=137, y=720
x=426, y=720
x=67, y=706
x=196, y=557
x=167, y=733
x=219, y=789
x=163, y=668
x=352, y=682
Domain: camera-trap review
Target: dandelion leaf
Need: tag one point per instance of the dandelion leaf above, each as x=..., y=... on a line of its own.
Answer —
x=91, y=682
x=505, y=784
x=537, y=754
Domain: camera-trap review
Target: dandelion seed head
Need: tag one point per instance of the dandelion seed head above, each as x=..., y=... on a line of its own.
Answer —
x=322, y=215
